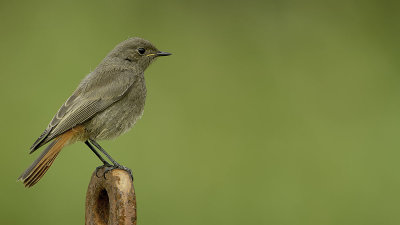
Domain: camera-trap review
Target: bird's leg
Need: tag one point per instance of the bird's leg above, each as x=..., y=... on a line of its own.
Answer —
x=96, y=153
x=105, y=163
x=104, y=152
x=116, y=165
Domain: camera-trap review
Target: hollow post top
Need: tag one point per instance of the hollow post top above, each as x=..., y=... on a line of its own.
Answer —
x=111, y=200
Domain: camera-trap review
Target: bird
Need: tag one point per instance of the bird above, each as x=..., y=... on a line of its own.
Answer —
x=106, y=104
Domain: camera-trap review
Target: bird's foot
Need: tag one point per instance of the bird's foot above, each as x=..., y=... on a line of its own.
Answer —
x=121, y=167
x=109, y=168
x=105, y=165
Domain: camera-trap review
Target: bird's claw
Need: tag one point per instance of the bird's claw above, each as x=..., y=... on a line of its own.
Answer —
x=109, y=168
x=126, y=169
x=101, y=167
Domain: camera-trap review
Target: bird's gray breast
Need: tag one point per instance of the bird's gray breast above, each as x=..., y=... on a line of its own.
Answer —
x=120, y=116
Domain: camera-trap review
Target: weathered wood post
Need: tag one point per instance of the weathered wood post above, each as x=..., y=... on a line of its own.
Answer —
x=110, y=201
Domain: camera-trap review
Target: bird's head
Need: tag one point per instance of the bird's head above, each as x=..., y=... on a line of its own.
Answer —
x=136, y=52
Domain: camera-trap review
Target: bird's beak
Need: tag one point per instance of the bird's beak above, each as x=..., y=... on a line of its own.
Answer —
x=163, y=54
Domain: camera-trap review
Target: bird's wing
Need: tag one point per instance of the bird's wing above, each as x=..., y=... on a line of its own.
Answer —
x=65, y=108
x=84, y=103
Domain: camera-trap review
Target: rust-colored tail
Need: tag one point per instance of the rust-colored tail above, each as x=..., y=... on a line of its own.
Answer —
x=40, y=166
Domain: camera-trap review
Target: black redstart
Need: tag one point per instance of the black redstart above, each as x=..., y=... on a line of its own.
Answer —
x=106, y=104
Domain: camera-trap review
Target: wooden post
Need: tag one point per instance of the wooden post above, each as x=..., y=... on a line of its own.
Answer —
x=112, y=200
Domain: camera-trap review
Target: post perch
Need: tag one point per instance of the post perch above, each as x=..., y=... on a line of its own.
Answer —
x=112, y=200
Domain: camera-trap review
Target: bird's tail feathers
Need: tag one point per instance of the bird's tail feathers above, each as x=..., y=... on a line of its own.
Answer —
x=40, y=166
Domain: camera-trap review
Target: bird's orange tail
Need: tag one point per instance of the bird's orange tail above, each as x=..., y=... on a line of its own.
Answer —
x=40, y=166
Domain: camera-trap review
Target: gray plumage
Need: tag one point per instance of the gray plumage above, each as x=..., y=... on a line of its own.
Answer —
x=110, y=99
x=107, y=103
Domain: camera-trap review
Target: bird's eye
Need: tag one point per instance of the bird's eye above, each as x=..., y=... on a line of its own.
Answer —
x=141, y=50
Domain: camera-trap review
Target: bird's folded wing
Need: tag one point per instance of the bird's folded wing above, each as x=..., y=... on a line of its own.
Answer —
x=83, y=105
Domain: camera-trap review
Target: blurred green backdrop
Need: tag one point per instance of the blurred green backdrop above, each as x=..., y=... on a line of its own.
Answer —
x=269, y=112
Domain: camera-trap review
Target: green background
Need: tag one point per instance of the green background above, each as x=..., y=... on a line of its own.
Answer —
x=268, y=112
